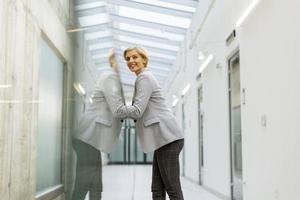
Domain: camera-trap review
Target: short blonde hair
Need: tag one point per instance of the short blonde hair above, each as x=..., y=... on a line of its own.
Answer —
x=140, y=50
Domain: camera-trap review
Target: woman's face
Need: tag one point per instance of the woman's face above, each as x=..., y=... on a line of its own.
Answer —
x=135, y=62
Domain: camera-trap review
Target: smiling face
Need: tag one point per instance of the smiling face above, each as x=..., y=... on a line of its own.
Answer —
x=135, y=62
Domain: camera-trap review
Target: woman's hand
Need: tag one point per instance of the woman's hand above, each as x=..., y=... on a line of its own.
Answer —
x=112, y=58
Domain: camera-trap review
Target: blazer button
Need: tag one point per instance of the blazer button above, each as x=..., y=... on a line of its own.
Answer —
x=134, y=121
x=122, y=120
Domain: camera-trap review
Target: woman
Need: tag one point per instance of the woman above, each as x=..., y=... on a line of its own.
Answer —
x=156, y=127
x=99, y=130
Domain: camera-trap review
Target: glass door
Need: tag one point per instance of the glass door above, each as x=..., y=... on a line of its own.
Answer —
x=128, y=150
x=200, y=131
x=235, y=128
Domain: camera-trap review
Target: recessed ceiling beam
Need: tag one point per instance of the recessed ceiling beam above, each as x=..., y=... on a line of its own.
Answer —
x=91, y=11
x=100, y=40
x=145, y=37
x=137, y=22
x=158, y=50
x=189, y=3
x=153, y=8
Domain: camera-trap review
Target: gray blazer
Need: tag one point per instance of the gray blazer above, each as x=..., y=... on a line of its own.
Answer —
x=100, y=125
x=156, y=124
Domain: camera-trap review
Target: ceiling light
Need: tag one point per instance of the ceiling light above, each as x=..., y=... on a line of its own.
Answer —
x=6, y=86
x=186, y=89
x=174, y=102
x=246, y=13
x=205, y=63
x=79, y=88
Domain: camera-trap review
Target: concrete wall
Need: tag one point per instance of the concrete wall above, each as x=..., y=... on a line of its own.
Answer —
x=268, y=46
x=23, y=24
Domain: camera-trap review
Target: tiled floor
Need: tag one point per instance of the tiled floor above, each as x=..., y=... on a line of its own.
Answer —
x=122, y=182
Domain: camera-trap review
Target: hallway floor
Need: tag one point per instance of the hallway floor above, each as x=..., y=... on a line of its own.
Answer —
x=133, y=182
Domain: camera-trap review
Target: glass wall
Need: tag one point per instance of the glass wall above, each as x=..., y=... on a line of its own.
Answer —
x=49, y=137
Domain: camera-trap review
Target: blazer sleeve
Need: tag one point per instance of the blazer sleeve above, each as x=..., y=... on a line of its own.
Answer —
x=143, y=91
x=113, y=96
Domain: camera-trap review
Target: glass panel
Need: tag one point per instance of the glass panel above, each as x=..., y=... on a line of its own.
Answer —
x=101, y=46
x=155, y=54
x=128, y=150
x=154, y=17
x=118, y=154
x=94, y=19
x=90, y=5
x=167, y=5
x=132, y=144
x=150, y=157
x=237, y=145
x=98, y=34
x=140, y=153
x=49, y=139
x=150, y=31
x=151, y=44
x=236, y=134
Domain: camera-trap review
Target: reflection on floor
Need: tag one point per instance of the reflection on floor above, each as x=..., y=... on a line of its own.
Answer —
x=123, y=182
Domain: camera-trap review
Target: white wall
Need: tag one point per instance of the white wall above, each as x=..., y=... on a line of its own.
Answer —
x=268, y=42
x=270, y=68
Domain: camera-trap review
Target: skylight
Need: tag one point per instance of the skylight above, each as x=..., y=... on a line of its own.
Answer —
x=148, y=43
x=150, y=31
x=154, y=54
x=90, y=5
x=101, y=46
x=98, y=34
x=94, y=19
x=154, y=17
x=167, y=5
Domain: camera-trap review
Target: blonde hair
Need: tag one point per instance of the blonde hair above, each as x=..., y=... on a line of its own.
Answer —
x=140, y=50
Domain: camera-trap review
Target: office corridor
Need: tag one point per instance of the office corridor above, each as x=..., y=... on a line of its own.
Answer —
x=227, y=72
x=133, y=182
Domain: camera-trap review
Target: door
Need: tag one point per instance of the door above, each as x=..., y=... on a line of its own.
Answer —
x=235, y=128
x=128, y=150
x=200, y=133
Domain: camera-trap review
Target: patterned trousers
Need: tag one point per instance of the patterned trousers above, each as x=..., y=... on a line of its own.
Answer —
x=88, y=172
x=166, y=172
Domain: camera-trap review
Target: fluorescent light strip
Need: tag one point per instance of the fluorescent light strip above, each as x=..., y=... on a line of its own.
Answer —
x=5, y=86
x=79, y=88
x=205, y=63
x=174, y=102
x=246, y=13
x=186, y=89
